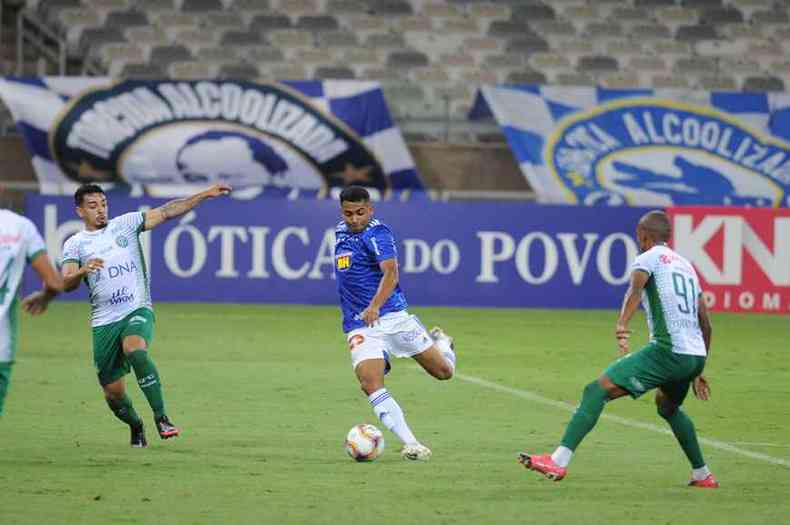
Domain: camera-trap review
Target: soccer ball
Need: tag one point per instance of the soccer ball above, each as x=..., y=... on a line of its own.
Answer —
x=364, y=442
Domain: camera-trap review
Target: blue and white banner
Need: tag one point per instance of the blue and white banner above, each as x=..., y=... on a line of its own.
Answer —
x=161, y=135
x=646, y=147
x=451, y=253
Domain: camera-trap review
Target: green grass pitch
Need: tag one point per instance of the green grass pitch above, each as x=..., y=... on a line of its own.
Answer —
x=265, y=394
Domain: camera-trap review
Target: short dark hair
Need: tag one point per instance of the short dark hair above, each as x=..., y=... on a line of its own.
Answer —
x=656, y=224
x=354, y=194
x=84, y=190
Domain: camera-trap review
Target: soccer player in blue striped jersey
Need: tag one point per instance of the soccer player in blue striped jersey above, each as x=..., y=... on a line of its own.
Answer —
x=375, y=320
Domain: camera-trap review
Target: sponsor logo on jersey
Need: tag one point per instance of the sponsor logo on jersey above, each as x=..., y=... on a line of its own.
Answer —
x=10, y=239
x=119, y=270
x=343, y=261
x=666, y=152
x=121, y=296
x=238, y=132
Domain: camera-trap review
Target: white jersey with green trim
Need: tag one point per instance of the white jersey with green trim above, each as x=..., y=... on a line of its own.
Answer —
x=123, y=284
x=20, y=243
x=670, y=299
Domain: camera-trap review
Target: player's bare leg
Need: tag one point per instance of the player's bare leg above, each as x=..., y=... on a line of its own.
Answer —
x=370, y=374
x=121, y=406
x=596, y=394
x=433, y=362
x=683, y=429
x=135, y=349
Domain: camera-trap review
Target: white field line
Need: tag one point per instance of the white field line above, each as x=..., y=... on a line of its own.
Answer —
x=537, y=398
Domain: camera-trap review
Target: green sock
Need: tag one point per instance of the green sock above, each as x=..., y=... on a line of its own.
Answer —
x=684, y=431
x=148, y=379
x=5, y=380
x=586, y=415
x=123, y=410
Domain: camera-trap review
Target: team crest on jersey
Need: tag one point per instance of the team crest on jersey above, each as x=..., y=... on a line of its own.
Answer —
x=122, y=241
x=237, y=132
x=343, y=261
x=665, y=152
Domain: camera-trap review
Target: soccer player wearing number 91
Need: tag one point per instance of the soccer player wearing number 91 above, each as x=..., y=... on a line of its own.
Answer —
x=375, y=320
x=673, y=360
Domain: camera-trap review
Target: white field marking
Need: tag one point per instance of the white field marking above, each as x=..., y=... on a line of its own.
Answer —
x=761, y=444
x=537, y=398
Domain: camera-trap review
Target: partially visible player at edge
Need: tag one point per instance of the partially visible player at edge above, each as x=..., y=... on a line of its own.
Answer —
x=375, y=319
x=680, y=336
x=20, y=243
x=108, y=256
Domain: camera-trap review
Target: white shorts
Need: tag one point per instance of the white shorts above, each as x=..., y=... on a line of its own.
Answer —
x=398, y=334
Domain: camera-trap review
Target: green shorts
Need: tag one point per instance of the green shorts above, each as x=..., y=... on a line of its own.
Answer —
x=108, y=356
x=656, y=366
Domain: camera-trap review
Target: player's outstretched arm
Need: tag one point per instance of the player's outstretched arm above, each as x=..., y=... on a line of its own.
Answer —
x=37, y=302
x=178, y=207
x=631, y=300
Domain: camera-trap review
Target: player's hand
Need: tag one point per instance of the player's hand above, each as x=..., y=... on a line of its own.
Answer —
x=370, y=315
x=36, y=303
x=622, y=333
x=701, y=388
x=218, y=190
x=93, y=265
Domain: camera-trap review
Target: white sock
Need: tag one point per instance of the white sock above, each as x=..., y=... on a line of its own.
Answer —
x=447, y=352
x=698, y=474
x=390, y=414
x=562, y=456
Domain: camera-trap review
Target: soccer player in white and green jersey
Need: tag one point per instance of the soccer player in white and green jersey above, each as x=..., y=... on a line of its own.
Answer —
x=673, y=360
x=108, y=256
x=20, y=243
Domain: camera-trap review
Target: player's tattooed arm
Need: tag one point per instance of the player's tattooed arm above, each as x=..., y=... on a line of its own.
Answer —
x=179, y=207
x=631, y=300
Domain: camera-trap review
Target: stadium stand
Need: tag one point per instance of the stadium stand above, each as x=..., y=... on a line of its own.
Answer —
x=417, y=47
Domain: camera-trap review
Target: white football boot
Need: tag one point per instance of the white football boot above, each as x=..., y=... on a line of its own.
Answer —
x=437, y=333
x=416, y=452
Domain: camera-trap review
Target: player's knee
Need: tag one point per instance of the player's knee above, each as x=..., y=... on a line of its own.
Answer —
x=368, y=386
x=666, y=409
x=444, y=372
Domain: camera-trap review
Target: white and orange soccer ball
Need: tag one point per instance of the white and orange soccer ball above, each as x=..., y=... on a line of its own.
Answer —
x=364, y=442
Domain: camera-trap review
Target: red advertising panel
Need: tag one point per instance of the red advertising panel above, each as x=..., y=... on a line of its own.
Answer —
x=742, y=255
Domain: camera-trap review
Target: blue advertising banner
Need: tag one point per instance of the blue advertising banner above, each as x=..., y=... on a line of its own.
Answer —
x=646, y=147
x=162, y=135
x=456, y=254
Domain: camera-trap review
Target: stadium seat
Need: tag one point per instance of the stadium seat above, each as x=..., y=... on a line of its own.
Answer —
x=347, y=6
x=238, y=71
x=770, y=17
x=696, y=65
x=574, y=79
x=385, y=41
x=242, y=38
x=721, y=16
x=265, y=23
x=390, y=7
x=407, y=59
x=143, y=71
x=529, y=76
x=317, y=23
x=194, y=6
x=763, y=84
x=718, y=83
x=119, y=20
x=695, y=33
x=597, y=64
x=532, y=13
x=334, y=72
x=191, y=70
x=166, y=55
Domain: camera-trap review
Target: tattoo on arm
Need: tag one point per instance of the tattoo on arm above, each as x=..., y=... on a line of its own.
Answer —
x=178, y=207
